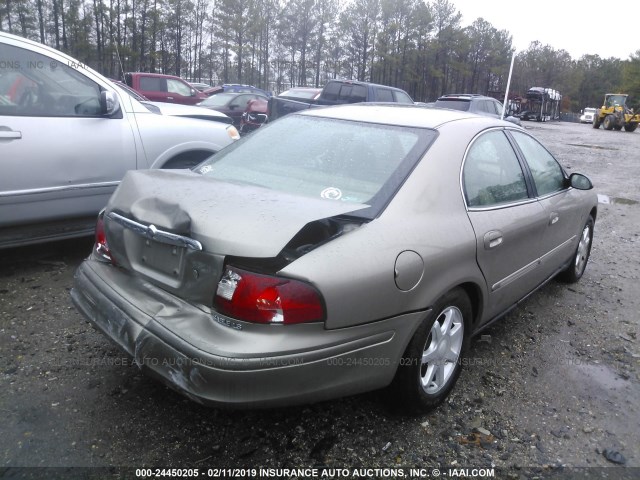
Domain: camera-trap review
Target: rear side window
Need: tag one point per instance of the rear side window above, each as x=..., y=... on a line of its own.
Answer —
x=153, y=84
x=384, y=95
x=352, y=94
x=492, y=175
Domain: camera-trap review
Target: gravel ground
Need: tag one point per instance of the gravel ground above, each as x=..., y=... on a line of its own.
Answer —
x=551, y=390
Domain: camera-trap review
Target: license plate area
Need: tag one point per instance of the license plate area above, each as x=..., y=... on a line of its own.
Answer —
x=162, y=258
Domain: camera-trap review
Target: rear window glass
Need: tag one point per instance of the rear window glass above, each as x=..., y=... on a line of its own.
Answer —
x=153, y=84
x=462, y=105
x=336, y=160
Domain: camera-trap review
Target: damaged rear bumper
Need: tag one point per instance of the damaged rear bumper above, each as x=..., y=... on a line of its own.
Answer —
x=199, y=354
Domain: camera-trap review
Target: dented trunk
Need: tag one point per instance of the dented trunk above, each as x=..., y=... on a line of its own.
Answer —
x=176, y=228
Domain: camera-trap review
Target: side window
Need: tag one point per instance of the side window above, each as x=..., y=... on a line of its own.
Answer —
x=153, y=84
x=174, y=86
x=546, y=171
x=352, y=94
x=402, y=97
x=498, y=107
x=331, y=91
x=384, y=95
x=36, y=85
x=492, y=174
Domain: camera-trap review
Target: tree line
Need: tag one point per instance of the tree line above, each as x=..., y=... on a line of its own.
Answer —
x=417, y=45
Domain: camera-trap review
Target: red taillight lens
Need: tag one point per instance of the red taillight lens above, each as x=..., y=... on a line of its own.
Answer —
x=260, y=298
x=101, y=247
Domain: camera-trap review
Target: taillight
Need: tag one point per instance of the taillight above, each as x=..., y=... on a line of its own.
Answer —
x=101, y=248
x=253, y=297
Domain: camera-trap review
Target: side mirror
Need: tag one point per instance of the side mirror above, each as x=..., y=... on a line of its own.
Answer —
x=580, y=182
x=193, y=92
x=109, y=103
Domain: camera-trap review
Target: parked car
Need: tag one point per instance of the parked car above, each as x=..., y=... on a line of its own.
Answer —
x=338, y=92
x=163, y=88
x=256, y=113
x=587, y=115
x=231, y=104
x=201, y=87
x=67, y=137
x=311, y=93
x=474, y=103
x=235, y=88
x=174, y=109
x=332, y=252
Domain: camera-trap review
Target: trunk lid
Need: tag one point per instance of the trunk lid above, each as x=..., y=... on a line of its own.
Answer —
x=176, y=227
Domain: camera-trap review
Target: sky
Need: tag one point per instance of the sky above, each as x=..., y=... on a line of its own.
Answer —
x=581, y=27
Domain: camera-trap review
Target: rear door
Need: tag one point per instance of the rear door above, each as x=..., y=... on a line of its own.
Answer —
x=508, y=222
x=60, y=159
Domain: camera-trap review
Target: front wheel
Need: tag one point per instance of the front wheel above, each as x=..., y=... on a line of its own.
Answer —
x=575, y=269
x=630, y=127
x=609, y=122
x=596, y=120
x=432, y=362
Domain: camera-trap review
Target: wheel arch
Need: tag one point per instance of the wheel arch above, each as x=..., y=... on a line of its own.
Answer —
x=186, y=159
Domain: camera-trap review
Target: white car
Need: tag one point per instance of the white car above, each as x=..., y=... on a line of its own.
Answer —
x=68, y=135
x=587, y=115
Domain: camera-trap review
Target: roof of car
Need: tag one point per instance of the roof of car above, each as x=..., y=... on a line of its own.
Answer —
x=461, y=96
x=399, y=114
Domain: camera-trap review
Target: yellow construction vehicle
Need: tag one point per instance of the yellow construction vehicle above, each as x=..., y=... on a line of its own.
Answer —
x=615, y=115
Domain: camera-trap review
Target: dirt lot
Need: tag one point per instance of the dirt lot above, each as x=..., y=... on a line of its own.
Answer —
x=554, y=385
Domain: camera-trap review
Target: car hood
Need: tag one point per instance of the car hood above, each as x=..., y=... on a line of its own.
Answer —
x=176, y=109
x=226, y=218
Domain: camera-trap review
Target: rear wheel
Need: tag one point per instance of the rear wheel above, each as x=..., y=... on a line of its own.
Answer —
x=608, y=123
x=432, y=362
x=575, y=269
x=630, y=127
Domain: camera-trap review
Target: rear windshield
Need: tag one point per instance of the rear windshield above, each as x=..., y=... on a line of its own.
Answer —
x=453, y=104
x=337, y=160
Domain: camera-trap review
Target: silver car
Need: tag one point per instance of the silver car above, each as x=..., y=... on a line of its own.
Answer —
x=335, y=251
x=67, y=137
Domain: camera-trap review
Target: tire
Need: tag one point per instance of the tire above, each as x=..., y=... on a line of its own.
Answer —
x=420, y=385
x=630, y=127
x=576, y=268
x=617, y=128
x=608, y=122
x=596, y=121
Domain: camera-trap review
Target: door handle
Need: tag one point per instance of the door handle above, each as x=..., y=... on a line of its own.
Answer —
x=10, y=135
x=553, y=218
x=492, y=239
x=169, y=98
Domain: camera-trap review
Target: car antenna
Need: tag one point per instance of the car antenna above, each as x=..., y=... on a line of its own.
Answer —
x=506, y=94
x=118, y=55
